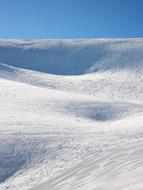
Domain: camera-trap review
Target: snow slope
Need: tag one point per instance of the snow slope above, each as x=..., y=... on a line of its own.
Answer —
x=71, y=114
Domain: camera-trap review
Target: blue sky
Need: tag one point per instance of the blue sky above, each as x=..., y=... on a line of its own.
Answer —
x=71, y=18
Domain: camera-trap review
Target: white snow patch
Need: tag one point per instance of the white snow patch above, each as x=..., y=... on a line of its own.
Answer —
x=71, y=114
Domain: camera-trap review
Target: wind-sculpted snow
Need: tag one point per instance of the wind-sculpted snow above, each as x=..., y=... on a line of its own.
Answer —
x=71, y=114
x=102, y=85
x=73, y=57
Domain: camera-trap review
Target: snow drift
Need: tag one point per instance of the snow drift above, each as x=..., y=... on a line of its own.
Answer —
x=73, y=57
x=71, y=114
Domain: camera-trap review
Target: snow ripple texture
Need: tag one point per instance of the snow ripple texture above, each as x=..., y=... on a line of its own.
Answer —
x=71, y=114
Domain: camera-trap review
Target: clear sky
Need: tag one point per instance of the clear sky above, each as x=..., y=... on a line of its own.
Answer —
x=71, y=18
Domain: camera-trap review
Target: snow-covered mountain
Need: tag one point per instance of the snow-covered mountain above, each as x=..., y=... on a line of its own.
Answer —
x=71, y=114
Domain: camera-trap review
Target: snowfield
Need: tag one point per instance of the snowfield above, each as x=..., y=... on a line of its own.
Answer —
x=71, y=114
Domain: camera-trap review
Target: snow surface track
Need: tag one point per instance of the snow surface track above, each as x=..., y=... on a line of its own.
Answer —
x=71, y=114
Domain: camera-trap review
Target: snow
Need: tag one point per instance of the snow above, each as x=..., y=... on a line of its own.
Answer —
x=71, y=114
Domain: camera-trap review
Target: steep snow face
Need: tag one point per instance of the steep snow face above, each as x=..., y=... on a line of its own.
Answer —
x=73, y=57
x=71, y=114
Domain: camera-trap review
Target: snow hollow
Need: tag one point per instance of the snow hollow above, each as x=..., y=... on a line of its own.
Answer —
x=71, y=114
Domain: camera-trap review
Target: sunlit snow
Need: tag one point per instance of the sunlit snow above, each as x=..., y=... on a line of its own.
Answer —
x=71, y=114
